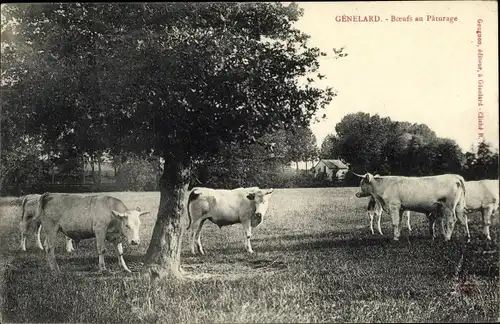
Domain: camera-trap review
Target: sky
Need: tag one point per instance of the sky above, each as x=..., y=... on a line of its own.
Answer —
x=420, y=72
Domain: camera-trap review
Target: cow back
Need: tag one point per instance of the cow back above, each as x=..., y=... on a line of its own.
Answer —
x=419, y=194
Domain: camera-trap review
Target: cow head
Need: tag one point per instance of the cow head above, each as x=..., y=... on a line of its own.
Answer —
x=448, y=220
x=365, y=186
x=261, y=200
x=130, y=223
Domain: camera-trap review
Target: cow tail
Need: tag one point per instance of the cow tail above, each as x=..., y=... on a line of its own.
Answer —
x=461, y=185
x=192, y=196
x=23, y=206
x=41, y=205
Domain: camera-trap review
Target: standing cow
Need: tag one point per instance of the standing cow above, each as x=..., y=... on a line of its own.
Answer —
x=375, y=209
x=480, y=195
x=226, y=207
x=419, y=194
x=79, y=218
x=29, y=207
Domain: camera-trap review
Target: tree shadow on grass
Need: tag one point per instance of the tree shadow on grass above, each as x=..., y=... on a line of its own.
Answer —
x=78, y=264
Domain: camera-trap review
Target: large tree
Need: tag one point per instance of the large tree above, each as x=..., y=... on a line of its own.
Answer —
x=178, y=81
x=362, y=140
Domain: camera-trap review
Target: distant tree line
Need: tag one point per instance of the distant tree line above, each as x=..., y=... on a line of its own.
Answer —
x=380, y=145
x=367, y=143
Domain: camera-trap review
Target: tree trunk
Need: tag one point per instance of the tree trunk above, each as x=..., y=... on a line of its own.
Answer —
x=306, y=165
x=99, y=172
x=83, y=173
x=164, y=252
x=92, y=161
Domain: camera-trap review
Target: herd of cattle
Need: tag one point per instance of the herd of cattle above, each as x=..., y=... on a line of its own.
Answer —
x=444, y=198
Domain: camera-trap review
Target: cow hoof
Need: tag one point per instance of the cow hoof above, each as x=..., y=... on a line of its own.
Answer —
x=396, y=239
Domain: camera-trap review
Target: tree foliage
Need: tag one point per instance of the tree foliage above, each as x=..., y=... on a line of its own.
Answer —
x=482, y=163
x=380, y=145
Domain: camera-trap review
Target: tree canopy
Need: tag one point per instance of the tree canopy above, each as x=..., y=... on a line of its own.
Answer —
x=380, y=145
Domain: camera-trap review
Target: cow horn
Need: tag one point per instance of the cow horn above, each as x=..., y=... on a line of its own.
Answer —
x=359, y=175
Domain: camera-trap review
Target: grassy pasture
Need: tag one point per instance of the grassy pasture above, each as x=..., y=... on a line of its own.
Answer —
x=315, y=261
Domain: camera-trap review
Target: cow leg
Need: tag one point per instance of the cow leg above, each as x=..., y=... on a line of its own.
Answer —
x=449, y=222
x=370, y=214
x=487, y=212
x=248, y=234
x=196, y=236
x=69, y=245
x=100, y=237
x=462, y=217
x=408, y=220
x=50, y=244
x=38, y=240
x=396, y=220
x=23, y=226
x=119, y=250
x=432, y=225
x=401, y=212
x=379, y=217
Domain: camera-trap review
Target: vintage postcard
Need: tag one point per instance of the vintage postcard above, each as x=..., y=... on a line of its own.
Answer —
x=260, y=162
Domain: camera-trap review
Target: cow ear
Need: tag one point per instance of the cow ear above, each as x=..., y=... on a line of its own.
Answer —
x=118, y=214
x=369, y=177
x=251, y=196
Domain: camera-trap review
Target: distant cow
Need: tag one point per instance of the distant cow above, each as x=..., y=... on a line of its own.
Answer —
x=79, y=218
x=29, y=207
x=481, y=195
x=375, y=209
x=226, y=207
x=419, y=194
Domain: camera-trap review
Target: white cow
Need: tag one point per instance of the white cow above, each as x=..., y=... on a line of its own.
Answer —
x=419, y=194
x=375, y=209
x=480, y=195
x=29, y=207
x=79, y=218
x=226, y=207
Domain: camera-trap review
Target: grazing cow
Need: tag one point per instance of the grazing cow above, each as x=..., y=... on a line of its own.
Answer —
x=226, y=207
x=375, y=209
x=29, y=206
x=481, y=195
x=79, y=218
x=419, y=194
